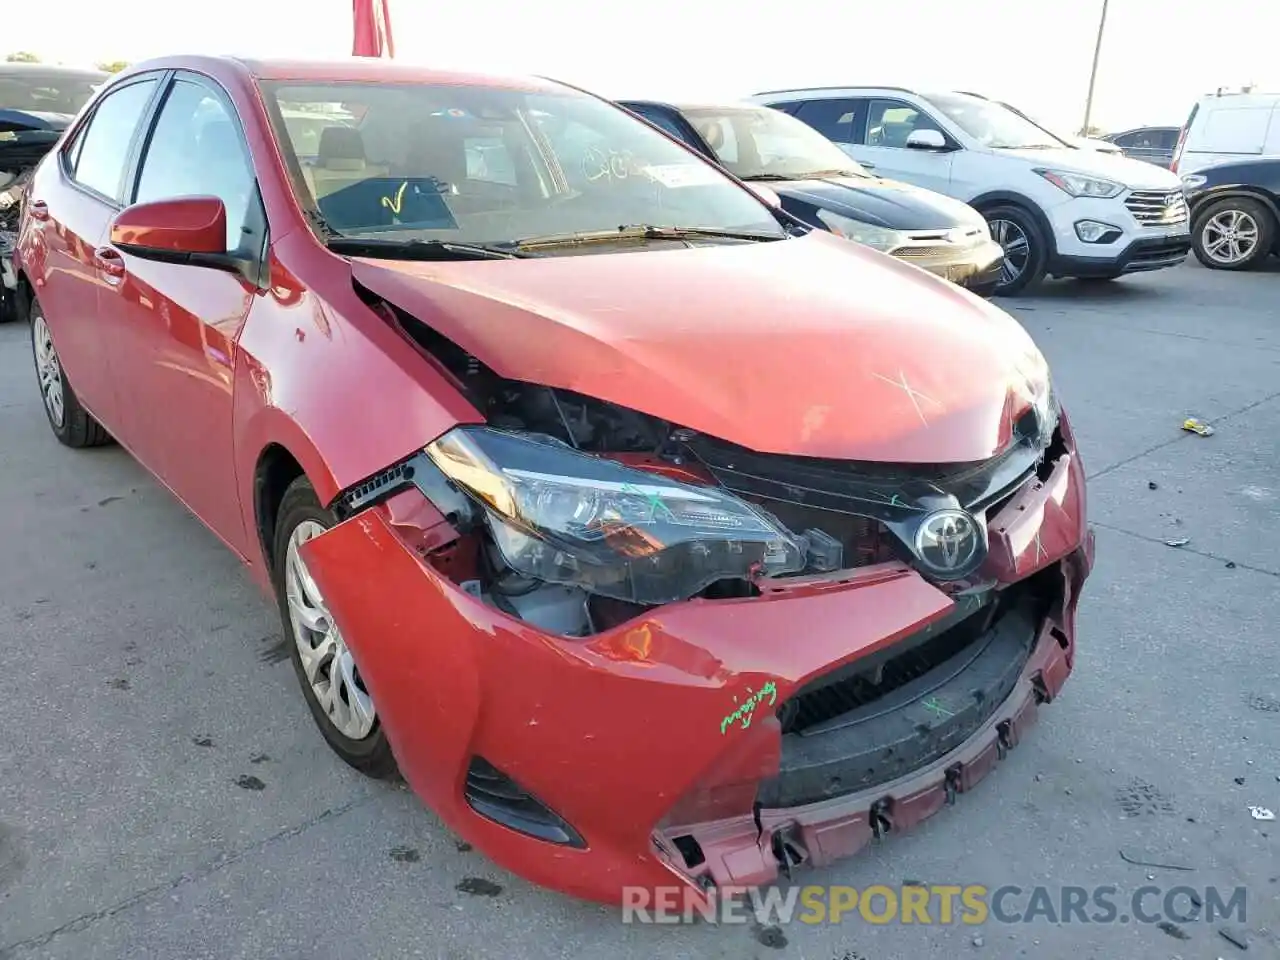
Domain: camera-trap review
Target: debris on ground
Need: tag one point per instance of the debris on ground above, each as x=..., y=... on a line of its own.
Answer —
x=1261, y=813
x=1239, y=781
x=1173, y=930
x=1137, y=862
x=1152, y=485
x=1192, y=425
x=1231, y=564
x=1177, y=542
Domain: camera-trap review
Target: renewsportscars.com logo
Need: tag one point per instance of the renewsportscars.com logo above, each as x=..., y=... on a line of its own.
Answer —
x=935, y=904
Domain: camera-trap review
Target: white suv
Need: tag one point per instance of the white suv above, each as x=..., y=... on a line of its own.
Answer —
x=1056, y=209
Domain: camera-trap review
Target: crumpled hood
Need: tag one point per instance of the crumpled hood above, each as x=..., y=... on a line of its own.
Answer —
x=885, y=203
x=812, y=346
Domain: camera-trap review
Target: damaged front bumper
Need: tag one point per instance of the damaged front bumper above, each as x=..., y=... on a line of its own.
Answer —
x=711, y=743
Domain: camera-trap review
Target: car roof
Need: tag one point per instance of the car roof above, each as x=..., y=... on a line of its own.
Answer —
x=348, y=69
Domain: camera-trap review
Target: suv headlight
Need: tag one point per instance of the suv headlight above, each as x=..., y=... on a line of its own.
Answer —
x=1078, y=185
x=561, y=516
x=878, y=238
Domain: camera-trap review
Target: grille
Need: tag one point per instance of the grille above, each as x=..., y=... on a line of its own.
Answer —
x=1157, y=208
x=922, y=253
x=493, y=794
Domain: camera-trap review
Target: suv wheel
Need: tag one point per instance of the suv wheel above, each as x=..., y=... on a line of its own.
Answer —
x=1233, y=234
x=1026, y=251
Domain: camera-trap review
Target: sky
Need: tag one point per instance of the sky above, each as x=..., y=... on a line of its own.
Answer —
x=1034, y=54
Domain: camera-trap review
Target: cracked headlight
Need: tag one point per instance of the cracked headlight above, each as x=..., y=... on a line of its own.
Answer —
x=878, y=238
x=561, y=516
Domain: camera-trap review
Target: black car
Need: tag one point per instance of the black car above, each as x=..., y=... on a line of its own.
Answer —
x=820, y=184
x=1235, y=213
x=36, y=104
x=1152, y=144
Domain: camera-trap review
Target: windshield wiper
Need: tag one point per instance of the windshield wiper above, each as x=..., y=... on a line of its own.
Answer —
x=418, y=249
x=769, y=176
x=1022, y=146
x=639, y=231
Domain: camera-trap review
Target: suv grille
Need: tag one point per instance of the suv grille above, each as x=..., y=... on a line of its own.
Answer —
x=1157, y=208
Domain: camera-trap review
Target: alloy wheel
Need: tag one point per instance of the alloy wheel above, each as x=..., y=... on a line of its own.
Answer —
x=1229, y=237
x=329, y=667
x=49, y=370
x=1017, y=249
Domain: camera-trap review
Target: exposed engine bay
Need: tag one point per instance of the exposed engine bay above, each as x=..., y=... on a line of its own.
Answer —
x=25, y=138
x=804, y=519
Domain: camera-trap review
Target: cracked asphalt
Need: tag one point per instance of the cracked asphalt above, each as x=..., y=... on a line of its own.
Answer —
x=163, y=792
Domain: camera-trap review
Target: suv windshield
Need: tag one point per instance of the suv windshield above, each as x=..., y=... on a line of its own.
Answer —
x=495, y=165
x=993, y=124
x=759, y=143
x=47, y=91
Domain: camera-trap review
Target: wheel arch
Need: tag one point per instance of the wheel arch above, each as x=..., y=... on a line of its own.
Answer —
x=278, y=452
x=993, y=198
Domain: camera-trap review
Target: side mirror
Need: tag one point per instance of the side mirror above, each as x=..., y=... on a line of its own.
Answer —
x=926, y=140
x=765, y=194
x=189, y=230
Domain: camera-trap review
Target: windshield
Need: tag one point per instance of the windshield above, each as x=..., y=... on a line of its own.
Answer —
x=993, y=124
x=762, y=143
x=494, y=165
x=46, y=92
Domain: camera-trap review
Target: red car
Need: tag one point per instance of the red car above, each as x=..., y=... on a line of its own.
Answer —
x=697, y=546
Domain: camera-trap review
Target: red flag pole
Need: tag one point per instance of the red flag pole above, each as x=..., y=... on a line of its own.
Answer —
x=371, y=22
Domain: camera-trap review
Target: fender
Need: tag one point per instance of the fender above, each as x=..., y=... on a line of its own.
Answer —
x=1019, y=200
x=367, y=399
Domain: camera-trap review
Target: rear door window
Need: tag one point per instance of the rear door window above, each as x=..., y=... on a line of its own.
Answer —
x=834, y=119
x=101, y=152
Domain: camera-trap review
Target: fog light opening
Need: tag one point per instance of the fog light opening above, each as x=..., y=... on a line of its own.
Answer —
x=1095, y=231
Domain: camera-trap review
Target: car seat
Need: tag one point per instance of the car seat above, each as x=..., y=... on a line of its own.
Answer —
x=341, y=162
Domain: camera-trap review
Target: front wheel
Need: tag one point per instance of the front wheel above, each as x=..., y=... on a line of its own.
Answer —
x=1233, y=234
x=1026, y=249
x=325, y=667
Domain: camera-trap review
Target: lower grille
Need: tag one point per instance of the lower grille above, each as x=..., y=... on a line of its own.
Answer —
x=1157, y=208
x=495, y=796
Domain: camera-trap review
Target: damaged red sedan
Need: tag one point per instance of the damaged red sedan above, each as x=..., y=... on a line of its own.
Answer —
x=652, y=536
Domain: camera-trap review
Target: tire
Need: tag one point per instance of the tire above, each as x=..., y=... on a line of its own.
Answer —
x=1036, y=259
x=369, y=753
x=1252, y=219
x=70, y=422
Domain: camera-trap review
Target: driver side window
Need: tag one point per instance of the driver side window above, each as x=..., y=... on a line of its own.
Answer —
x=891, y=122
x=197, y=149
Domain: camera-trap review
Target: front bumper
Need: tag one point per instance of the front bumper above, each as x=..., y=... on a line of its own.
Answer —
x=1140, y=256
x=976, y=267
x=667, y=727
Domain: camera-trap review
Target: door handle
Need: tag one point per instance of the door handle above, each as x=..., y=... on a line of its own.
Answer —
x=38, y=209
x=869, y=166
x=109, y=261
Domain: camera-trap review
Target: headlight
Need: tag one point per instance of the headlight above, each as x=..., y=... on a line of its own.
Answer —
x=878, y=238
x=1033, y=384
x=1079, y=185
x=562, y=516
x=1192, y=180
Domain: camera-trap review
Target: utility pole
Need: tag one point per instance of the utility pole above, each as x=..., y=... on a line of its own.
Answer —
x=1093, y=74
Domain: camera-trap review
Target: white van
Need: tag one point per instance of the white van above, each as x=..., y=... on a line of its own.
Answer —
x=1226, y=127
x=1057, y=210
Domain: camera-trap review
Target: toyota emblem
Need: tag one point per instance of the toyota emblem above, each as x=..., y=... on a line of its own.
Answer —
x=950, y=543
